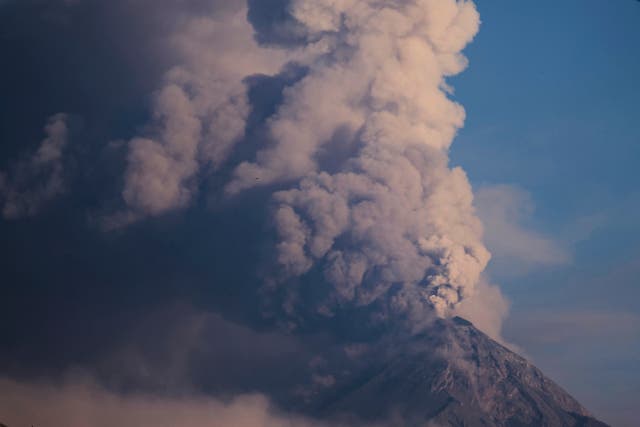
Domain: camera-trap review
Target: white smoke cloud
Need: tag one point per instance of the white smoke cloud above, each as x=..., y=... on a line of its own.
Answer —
x=487, y=309
x=39, y=178
x=394, y=213
x=383, y=215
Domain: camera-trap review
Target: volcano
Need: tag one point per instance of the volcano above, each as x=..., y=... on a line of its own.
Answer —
x=454, y=375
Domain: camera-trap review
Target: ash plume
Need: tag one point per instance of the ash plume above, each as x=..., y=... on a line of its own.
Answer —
x=357, y=150
x=391, y=220
x=39, y=178
x=198, y=114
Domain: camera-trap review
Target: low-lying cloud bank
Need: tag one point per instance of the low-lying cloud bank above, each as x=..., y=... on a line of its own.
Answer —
x=84, y=404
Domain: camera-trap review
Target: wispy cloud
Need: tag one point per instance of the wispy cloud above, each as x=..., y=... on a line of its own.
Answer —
x=487, y=308
x=506, y=212
x=38, y=178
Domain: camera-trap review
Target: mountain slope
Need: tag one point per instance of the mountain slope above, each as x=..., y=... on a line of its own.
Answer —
x=455, y=375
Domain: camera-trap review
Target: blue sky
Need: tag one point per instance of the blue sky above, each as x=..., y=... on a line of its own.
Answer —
x=552, y=98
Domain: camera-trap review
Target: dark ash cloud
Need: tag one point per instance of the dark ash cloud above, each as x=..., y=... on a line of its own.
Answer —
x=39, y=178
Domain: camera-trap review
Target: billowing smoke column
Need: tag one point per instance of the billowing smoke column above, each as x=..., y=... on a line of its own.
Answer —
x=358, y=147
x=389, y=219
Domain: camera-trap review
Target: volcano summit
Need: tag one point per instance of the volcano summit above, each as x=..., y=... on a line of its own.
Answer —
x=455, y=375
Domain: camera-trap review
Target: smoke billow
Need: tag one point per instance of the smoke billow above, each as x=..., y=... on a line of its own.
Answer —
x=357, y=149
x=199, y=113
x=391, y=221
x=39, y=178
